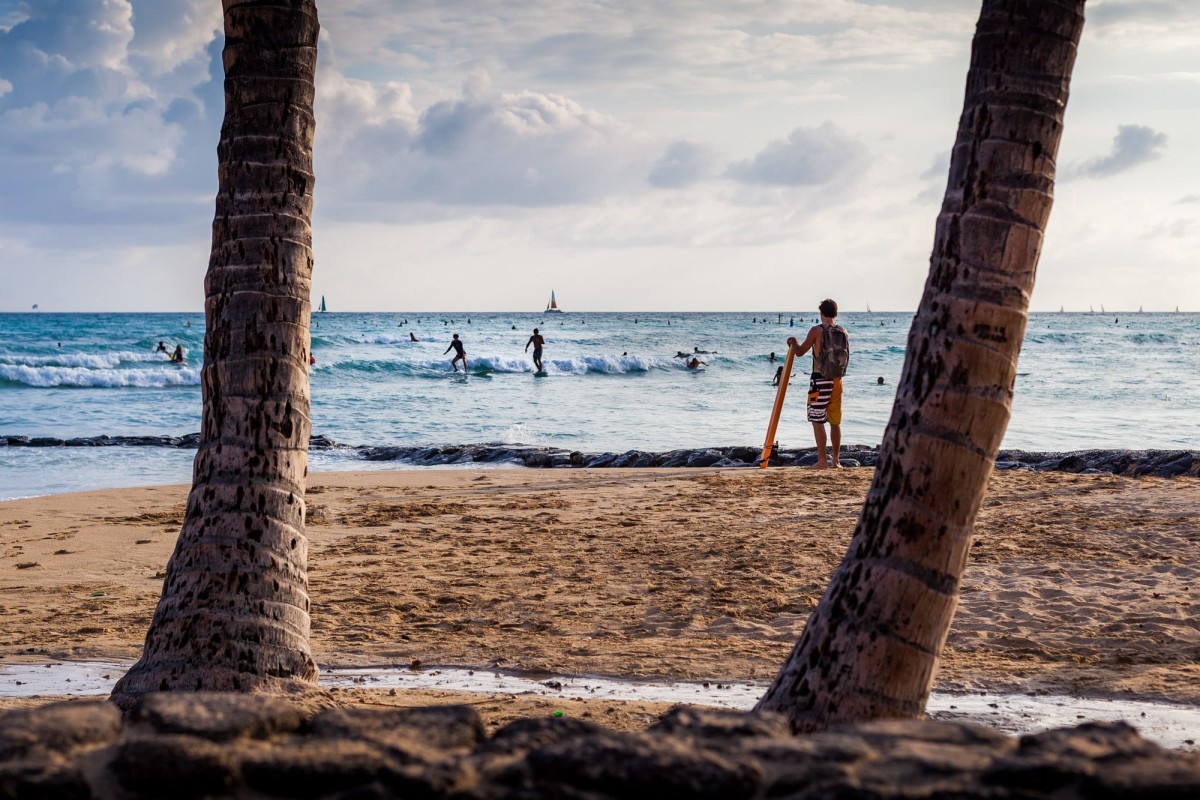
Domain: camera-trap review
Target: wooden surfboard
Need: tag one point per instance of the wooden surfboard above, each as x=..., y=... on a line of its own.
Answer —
x=780, y=393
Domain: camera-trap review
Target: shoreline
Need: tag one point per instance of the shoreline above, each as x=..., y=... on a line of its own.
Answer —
x=1157, y=462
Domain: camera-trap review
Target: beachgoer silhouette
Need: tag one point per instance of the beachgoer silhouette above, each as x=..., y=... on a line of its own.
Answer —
x=177, y=357
x=459, y=353
x=412, y=337
x=537, y=341
x=778, y=376
x=696, y=363
x=771, y=358
x=162, y=348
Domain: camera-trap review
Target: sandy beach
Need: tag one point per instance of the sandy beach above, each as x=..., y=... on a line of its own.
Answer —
x=1077, y=584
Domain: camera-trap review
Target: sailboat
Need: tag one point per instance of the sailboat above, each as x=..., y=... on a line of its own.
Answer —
x=1139, y=309
x=1060, y=309
x=322, y=309
x=868, y=308
x=552, y=306
x=1102, y=311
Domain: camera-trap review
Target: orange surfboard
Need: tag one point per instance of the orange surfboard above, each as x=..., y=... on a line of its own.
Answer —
x=780, y=393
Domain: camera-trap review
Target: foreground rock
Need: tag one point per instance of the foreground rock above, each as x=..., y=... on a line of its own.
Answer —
x=201, y=745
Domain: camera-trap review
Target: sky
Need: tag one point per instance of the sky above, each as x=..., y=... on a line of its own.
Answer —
x=679, y=155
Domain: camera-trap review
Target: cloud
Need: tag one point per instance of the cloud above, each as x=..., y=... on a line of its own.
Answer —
x=107, y=112
x=1173, y=229
x=1116, y=12
x=480, y=149
x=1132, y=146
x=1191, y=198
x=169, y=34
x=685, y=162
x=658, y=49
x=808, y=157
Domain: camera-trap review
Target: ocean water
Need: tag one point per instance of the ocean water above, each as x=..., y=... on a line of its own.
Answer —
x=612, y=383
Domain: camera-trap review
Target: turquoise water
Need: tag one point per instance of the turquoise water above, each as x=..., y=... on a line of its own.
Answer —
x=613, y=384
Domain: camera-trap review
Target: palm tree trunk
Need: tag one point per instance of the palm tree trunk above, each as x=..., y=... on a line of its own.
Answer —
x=871, y=647
x=234, y=611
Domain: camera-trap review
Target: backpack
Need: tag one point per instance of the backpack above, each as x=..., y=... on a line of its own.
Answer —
x=834, y=355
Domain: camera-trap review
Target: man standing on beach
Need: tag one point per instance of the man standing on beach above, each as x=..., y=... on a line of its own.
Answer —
x=831, y=353
x=537, y=341
x=459, y=353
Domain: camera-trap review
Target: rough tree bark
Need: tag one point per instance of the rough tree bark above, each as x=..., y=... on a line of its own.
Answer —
x=234, y=611
x=871, y=647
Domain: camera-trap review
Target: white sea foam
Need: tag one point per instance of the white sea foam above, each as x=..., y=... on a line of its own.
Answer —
x=101, y=378
x=82, y=360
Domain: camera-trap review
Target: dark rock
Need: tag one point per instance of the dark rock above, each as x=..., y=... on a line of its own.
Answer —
x=57, y=728
x=216, y=716
x=576, y=459
x=91, y=441
x=705, y=458
x=39, y=779
x=261, y=750
x=440, y=727
x=716, y=726
x=171, y=765
x=44, y=441
x=639, y=765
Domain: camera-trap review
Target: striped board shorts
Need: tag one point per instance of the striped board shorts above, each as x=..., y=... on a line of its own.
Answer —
x=825, y=400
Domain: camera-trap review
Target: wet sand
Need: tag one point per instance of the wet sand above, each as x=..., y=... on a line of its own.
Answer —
x=1077, y=584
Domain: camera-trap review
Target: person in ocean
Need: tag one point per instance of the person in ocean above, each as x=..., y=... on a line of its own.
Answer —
x=778, y=376
x=824, y=393
x=460, y=352
x=178, y=357
x=162, y=348
x=771, y=358
x=537, y=341
x=696, y=363
x=412, y=337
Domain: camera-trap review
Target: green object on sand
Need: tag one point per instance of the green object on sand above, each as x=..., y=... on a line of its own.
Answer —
x=558, y=713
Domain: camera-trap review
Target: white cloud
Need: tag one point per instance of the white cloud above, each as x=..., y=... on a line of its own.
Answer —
x=1173, y=229
x=171, y=33
x=75, y=133
x=1133, y=145
x=480, y=149
x=808, y=157
x=684, y=162
x=5, y=87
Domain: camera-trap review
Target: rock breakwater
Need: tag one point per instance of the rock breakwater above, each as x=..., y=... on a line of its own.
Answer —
x=1160, y=463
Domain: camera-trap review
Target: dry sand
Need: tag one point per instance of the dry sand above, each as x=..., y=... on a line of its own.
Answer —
x=1077, y=584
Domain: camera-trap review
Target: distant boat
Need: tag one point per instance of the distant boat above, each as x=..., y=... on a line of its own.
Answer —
x=1176, y=309
x=1060, y=309
x=868, y=308
x=322, y=309
x=1139, y=309
x=1091, y=310
x=1102, y=311
x=552, y=306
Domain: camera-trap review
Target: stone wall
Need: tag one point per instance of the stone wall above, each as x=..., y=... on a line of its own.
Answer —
x=224, y=745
